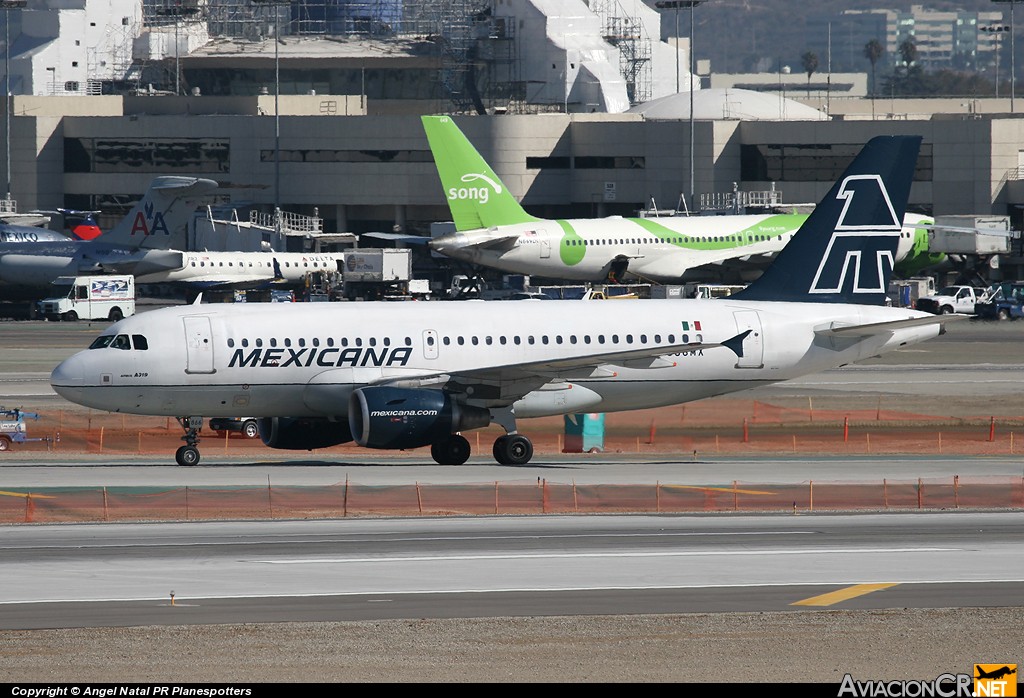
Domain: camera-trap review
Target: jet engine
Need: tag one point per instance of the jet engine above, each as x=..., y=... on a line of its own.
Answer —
x=301, y=434
x=401, y=418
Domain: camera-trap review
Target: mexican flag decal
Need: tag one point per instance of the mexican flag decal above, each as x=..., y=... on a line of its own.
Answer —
x=695, y=326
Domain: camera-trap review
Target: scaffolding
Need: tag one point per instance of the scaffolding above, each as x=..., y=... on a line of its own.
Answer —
x=628, y=34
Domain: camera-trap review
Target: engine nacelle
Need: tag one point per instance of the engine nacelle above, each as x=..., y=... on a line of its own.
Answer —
x=302, y=434
x=402, y=418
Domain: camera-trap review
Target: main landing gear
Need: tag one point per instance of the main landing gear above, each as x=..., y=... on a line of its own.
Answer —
x=189, y=453
x=511, y=449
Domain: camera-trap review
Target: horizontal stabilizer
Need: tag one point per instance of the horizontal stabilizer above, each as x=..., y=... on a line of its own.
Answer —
x=876, y=328
x=398, y=237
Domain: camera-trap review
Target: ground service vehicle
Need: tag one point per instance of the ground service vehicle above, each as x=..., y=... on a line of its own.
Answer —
x=247, y=426
x=952, y=299
x=13, y=429
x=1004, y=302
x=102, y=297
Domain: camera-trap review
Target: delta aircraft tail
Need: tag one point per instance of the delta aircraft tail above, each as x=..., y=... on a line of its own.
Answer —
x=476, y=197
x=844, y=252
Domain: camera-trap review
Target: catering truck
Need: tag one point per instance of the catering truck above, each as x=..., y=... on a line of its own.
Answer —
x=100, y=297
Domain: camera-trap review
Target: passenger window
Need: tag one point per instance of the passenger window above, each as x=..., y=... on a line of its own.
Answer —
x=615, y=339
x=287, y=341
x=273, y=341
x=643, y=339
x=245, y=342
x=447, y=341
x=488, y=341
x=373, y=341
x=259, y=342
x=517, y=340
x=461, y=341
x=475, y=340
x=586, y=339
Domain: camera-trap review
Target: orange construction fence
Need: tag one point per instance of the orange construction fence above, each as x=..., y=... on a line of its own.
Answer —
x=689, y=431
x=49, y=505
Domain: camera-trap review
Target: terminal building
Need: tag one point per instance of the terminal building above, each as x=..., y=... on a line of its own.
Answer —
x=327, y=125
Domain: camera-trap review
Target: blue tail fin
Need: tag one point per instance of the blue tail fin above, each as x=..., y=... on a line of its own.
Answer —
x=844, y=251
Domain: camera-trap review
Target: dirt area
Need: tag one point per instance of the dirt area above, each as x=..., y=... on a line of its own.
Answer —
x=816, y=646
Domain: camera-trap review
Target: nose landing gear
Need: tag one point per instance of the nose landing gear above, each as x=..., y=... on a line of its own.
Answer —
x=189, y=453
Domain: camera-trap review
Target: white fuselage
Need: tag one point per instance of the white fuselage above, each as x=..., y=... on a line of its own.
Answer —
x=306, y=359
x=214, y=268
x=657, y=249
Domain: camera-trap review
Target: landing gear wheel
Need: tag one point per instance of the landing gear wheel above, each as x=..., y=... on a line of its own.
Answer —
x=452, y=451
x=187, y=455
x=514, y=449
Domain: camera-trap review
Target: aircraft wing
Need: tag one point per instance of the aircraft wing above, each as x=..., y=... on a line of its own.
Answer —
x=876, y=328
x=509, y=382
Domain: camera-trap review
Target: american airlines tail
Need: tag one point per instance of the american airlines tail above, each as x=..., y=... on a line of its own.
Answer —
x=158, y=219
x=844, y=252
x=476, y=197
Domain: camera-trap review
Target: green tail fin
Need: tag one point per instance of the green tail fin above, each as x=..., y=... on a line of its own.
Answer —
x=476, y=197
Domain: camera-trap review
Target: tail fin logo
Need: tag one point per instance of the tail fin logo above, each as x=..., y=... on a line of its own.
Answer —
x=480, y=194
x=864, y=239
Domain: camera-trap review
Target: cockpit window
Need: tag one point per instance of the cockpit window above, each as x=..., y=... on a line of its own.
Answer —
x=102, y=341
x=121, y=341
x=140, y=342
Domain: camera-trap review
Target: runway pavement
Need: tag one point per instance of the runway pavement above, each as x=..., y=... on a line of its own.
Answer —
x=75, y=576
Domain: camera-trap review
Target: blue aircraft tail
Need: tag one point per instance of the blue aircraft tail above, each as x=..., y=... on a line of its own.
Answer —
x=844, y=252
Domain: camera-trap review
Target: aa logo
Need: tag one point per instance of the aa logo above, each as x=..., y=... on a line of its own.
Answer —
x=995, y=680
x=149, y=221
x=864, y=241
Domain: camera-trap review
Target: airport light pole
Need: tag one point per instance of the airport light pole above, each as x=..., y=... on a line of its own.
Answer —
x=177, y=11
x=7, y=6
x=676, y=4
x=997, y=32
x=1013, y=58
x=276, y=5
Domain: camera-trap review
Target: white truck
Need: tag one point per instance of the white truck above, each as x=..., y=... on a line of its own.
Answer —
x=101, y=297
x=373, y=273
x=952, y=299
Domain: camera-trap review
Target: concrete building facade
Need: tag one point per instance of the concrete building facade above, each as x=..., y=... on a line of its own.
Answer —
x=370, y=173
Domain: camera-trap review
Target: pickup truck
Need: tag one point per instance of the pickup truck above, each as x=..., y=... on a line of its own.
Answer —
x=1005, y=301
x=952, y=299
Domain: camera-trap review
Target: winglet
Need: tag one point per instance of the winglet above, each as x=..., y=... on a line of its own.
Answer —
x=476, y=197
x=735, y=344
x=845, y=250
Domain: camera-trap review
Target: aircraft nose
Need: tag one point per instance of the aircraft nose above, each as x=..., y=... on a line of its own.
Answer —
x=67, y=378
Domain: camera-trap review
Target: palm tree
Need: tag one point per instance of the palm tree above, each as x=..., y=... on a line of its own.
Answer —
x=810, y=62
x=873, y=51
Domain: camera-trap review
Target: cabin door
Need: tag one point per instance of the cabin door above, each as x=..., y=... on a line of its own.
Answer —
x=198, y=344
x=753, y=346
